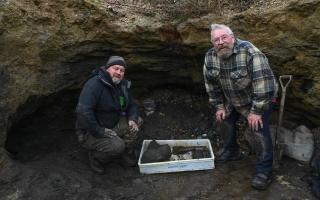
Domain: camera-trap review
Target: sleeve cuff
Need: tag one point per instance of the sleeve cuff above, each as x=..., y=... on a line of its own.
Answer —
x=133, y=118
x=219, y=107
x=256, y=111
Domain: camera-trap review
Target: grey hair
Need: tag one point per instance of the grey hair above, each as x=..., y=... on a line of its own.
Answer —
x=214, y=27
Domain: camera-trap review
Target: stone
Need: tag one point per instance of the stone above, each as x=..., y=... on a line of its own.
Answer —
x=9, y=170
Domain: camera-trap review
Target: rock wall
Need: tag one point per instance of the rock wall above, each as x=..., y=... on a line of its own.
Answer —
x=50, y=46
x=290, y=39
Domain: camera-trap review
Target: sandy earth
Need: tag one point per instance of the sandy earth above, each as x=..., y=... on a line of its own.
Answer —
x=53, y=166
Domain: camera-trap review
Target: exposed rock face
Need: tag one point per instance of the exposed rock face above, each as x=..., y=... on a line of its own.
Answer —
x=49, y=46
x=290, y=39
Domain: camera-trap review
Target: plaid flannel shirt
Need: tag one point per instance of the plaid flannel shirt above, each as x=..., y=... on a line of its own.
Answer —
x=245, y=81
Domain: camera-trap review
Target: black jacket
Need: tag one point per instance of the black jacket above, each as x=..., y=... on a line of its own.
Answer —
x=99, y=105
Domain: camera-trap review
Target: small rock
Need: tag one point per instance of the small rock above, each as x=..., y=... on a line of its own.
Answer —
x=137, y=181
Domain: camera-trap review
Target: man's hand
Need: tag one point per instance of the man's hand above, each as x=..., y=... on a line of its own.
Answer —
x=220, y=115
x=133, y=127
x=108, y=133
x=255, y=121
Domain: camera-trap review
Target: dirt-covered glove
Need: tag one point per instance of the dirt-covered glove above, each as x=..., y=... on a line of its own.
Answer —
x=133, y=127
x=108, y=133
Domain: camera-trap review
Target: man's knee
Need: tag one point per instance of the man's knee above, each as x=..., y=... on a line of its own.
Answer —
x=112, y=146
x=108, y=148
x=118, y=146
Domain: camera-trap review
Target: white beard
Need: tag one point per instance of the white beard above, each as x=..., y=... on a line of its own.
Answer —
x=225, y=53
x=116, y=80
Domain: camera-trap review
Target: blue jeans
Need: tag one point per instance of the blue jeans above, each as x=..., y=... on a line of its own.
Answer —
x=262, y=145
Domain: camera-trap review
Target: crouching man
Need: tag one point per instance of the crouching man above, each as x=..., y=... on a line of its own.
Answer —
x=108, y=121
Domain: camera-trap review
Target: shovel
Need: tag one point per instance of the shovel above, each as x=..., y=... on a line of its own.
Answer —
x=284, y=82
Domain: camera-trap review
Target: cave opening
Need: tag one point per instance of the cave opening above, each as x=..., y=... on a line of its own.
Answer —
x=48, y=129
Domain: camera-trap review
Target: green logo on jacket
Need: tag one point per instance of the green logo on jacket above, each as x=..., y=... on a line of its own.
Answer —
x=122, y=101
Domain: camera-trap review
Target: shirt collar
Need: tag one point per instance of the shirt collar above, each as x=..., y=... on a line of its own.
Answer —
x=236, y=47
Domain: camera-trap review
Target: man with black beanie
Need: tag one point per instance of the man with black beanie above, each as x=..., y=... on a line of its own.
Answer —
x=108, y=120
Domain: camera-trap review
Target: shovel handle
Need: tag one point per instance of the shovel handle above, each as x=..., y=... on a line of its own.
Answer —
x=277, y=148
x=282, y=78
x=288, y=79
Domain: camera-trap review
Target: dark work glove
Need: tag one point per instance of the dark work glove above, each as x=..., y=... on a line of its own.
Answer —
x=108, y=133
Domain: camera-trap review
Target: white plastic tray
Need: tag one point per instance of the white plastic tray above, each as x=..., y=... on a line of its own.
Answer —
x=179, y=165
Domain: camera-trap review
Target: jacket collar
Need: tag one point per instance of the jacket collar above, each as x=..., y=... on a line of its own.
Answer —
x=105, y=78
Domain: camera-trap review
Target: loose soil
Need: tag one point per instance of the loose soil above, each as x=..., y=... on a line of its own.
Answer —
x=53, y=166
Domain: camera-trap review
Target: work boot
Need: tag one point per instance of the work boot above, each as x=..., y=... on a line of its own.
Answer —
x=129, y=159
x=95, y=164
x=261, y=181
x=229, y=155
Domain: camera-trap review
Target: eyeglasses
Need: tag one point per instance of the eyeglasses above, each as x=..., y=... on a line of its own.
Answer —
x=223, y=38
x=116, y=68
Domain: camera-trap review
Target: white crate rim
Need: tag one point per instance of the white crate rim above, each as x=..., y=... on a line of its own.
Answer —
x=179, y=165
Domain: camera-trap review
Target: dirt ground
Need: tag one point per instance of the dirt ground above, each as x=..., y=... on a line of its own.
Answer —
x=53, y=166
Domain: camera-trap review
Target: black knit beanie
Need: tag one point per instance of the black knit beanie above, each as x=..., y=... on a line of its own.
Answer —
x=116, y=60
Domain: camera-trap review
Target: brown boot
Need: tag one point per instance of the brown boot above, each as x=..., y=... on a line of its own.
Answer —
x=95, y=164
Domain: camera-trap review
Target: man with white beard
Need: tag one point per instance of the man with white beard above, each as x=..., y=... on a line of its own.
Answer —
x=239, y=81
x=108, y=120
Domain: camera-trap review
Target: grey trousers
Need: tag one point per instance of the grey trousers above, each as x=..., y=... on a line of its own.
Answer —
x=106, y=149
